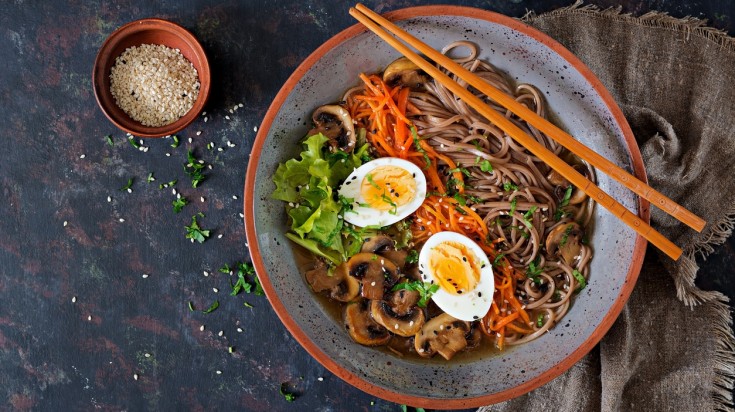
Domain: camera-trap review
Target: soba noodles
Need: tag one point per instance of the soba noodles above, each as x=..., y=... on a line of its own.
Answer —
x=529, y=220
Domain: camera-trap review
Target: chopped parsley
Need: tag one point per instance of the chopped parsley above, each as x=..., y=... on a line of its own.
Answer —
x=580, y=278
x=560, y=212
x=175, y=144
x=513, y=204
x=247, y=280
x=288, y=396
x=194, y=232
x=417, y=145
x=133, y=142
x=529, y=214
x=565, y=236
x=150, y=178
x=534, y=270
x=108, y=138
x=485, y=166
x=212, y=307
x=179, y=204
x=195, y=169
x=425, y=289
x=225, y=269
x=169, y=184
x=127, y=185
x=412, y=257
x=460, y=169
x=508, y=186
x=499, y=260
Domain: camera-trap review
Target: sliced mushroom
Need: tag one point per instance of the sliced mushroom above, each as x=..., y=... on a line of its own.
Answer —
x=340, y=285
x=474, y=336
x=444, y=335
x=403, y=301
x=405, y=325
x=385, y=246
x=561, y=184
x=404, y=72
x=334, y=122
x=361, y=327
x=565, y=240
x=375, y=272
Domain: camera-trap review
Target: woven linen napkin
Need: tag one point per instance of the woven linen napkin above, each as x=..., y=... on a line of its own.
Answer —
x=672, y=347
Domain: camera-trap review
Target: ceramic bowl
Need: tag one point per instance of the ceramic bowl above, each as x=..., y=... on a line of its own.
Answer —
x=579, y=104
x=148, y=31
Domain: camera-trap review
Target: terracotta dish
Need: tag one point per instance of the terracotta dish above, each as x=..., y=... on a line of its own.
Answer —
x=148, y=31
x=579, y=104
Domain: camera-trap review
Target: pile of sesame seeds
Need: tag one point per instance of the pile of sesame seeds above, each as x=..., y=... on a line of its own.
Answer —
x=154, y=84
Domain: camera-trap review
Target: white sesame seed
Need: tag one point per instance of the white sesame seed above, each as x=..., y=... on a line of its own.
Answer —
x=396, y=326
x=227, y=117
x=190, y=140
x=239, y=105
x=241, y=215
x=221, y=333
x=234, y=197
x=219, y=236
x=130, y=190
x=205, y=119
x=219, y=372
x=109, y=199
x=215, y=290
x=372, y=283
x=173, y=191
x=65, y=223
x=178, y=195
x=121, y=220
x=219, y=149
x=320, y=379
x=147, y=355
x=82, y=156
x=204, y=113
x=202, y=199
x=89, y=318
x=199, y=132
x=135, y=376
x=168, y=154
x=255, y=129
x=144, y=276
x=201, y=328
x=239, y=330
x=73, y=299
x=205, y=273
x=140, y=141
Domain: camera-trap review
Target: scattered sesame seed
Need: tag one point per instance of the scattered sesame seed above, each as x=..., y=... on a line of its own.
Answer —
x=135, y=376
x=320, y=379
x=173, y=191
x=82, y=156
x=89, y=318
x=73, y=299
x=168, y=154
x=201, y=328
x=219, y=236
x=202, y=199
x=65, y=223
x=215, y=290
x=190, y=140
x=219, y=149
x=219, y=372
x=204, y=113
x=178, y=196
x=239, y=330
x=205, y=119
x=227, y=117
x=130, y=190
x=206, y=273
x=239, y=105
x=147, y=355
x=242, y=216
x=199, y=132
x=145, y=276
x=255, y=129
x=234, y=197
x=121, y=220
x=221, y=333
x=109, y=199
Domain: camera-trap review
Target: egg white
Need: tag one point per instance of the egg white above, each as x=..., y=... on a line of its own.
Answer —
x=363, y=216
x=468, y=306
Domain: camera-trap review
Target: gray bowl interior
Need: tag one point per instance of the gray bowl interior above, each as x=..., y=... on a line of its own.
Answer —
x=575, y=106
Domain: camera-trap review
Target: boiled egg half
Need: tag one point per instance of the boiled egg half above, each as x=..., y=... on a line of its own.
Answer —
x=383, y=191
x=463, y=272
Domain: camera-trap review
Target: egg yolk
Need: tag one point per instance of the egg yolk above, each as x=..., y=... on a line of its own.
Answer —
x=388, y=187
x=455, y=267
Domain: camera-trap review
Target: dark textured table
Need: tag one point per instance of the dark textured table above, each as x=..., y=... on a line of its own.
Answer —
x=94, y=290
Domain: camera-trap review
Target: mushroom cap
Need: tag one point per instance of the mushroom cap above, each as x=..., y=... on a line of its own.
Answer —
x=340, y=285
x=335, y=122
x=405, y=325
x=565, y=240
x=385, y=246
x=375, y=273
x=361, y=327
x=561, y=184
x=444, y=335
x=405, y=73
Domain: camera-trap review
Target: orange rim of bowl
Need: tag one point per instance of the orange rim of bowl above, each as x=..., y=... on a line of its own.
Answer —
x=203, y=73
x=311, y=347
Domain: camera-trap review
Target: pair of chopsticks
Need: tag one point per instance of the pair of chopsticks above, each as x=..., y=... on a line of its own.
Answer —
x=378, y=25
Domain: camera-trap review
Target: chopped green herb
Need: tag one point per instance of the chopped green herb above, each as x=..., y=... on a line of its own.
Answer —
x=195, y=169
x=370, y=180
x=169, y=184
x=231, y=349
x=460, y=169
x=534, y=270
x=513, y=204
x=567, y=196
x=529, y=214
x=210, y=146
x=508, y=186
x=417, y=145
x=127, y=185
x=247, y=305
x=109, y=140
x=460, y=199
x=499, y=260
x=150, y=178
x=425, y=289
x=175, y=144
x=191, y=307
x=179, y=204
x=225, y=269
x=580, y=279
x=133, y=142
x=556, y=296
x=412, y=257
x=288, y=396
x=540, y=320
x=374, y=257
x=212, y=307
x=404, y=408
x=390, y=201
x=194, y=232
x=485, y=166
x=565, y=236
x=347, y=204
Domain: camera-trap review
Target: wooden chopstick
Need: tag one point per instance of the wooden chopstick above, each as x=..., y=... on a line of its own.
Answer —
x=507, y=126
x=546, y=127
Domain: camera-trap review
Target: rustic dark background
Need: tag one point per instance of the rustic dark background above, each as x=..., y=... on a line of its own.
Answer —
x=77, y=318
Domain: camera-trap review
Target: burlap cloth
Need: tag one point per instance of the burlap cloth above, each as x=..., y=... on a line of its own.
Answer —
x=672, y=346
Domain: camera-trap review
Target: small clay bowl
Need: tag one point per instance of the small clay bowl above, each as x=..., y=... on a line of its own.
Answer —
x=136, y=33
